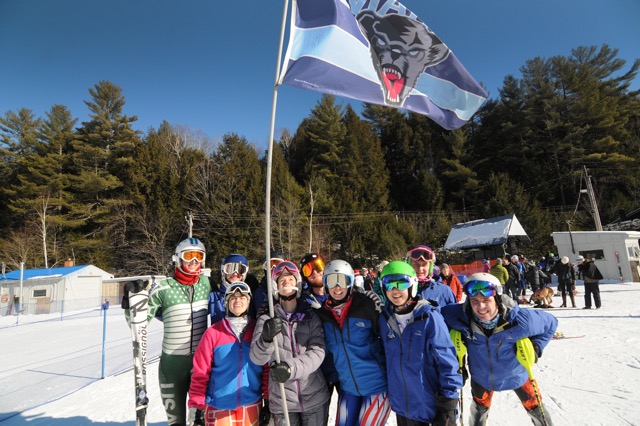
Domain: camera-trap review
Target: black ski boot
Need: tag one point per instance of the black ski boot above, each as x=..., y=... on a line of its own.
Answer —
x=540, y=417
x=573, y=299
x=564, y=301
x=479, y=414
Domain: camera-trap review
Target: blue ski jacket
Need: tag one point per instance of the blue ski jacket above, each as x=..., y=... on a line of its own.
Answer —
x=421, y=362
x=353, y=340
x=438, y=292
x=492, y=358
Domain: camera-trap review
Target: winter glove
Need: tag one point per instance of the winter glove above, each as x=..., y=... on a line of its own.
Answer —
x=195, y=417
x=536, y=348
x=446, y=411
x=376, y=300
x=272, y=327
x=280, y=371
x=134, y=287
x=265, y=413
x=465, y=375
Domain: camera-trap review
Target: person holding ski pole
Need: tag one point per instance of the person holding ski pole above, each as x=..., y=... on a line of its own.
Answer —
x=225, y=384
x=490, y=325
x=181, y=302
x=301, y=349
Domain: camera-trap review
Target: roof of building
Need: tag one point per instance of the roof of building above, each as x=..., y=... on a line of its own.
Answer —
x=43, y=273
x=484, y=232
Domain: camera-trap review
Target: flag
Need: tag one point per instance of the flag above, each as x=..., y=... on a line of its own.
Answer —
x=378, y=51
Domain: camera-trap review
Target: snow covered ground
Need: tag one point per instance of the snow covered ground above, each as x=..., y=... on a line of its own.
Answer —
x=592, y=380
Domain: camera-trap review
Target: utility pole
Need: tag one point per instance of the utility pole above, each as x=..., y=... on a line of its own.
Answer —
x=592, y=200
x=189, y=219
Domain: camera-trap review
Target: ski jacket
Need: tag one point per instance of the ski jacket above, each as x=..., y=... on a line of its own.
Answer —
x=500, y=273
x=353, y=341
x=301, y=345
x=184, y=313
x=492, y=358
x=565, y=272
x=223, y=375
x=216, y=303
x=533, y=276
x=421, y=362
x=437, y=292
x=514, y=274
x=590, y=271
x=454, y=284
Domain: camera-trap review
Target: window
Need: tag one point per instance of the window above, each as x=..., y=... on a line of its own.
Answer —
x=40, y=293
x=593, y=254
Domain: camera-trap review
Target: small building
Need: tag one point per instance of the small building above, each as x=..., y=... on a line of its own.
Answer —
x=616, y=253
x=51, y=290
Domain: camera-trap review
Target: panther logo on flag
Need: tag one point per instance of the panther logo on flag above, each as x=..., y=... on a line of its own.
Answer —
x=401, y=49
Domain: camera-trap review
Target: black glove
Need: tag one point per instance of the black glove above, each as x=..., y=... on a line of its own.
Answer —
x=280, y=371
x=465, y=375
x=446, y=411
x=272, y=327
x=265, y=413
x=134, y=287
x=195, y=417
x=538, y=351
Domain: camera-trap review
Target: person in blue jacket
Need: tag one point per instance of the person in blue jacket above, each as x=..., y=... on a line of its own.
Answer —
x=422, y=369
x=234, y=268
x=352, y=336
x=430, y=286
x=490, y=323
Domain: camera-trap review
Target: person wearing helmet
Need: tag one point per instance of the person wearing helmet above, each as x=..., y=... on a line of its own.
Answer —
x=354, y=349
x=490, y=323
x=423, y=259
x=312, y=267
x=260, y=295
x=300, y=338
x=233, y=268
x=181, y=301
x=566, y=274
x=422, y=368
x=214, y=374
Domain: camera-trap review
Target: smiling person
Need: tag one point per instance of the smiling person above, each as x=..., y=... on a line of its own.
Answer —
x=490, y=324
x=352, y=335
x=225, y=383
x=300, y=340
x=312, y=267
x=233, y=268
x=422, y=368
x=423, y=260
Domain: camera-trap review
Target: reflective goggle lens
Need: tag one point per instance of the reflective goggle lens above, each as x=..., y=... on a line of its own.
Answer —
x=418, y=253
x=334, y=280
x=282, y=266
x=230, y=268
x=268, y=265
x=241, y=288
x=401, y=282
x=188, y=256
x=485, y=288
x=308, y=268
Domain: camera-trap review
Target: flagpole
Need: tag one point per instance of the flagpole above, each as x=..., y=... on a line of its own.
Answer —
x=267, y=209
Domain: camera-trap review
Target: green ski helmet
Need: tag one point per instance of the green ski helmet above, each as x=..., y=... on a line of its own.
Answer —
x=399, y=272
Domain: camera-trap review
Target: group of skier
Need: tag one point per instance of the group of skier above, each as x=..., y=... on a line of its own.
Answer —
x=411, y=355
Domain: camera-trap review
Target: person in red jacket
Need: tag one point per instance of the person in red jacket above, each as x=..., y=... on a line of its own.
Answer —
x=450, y=279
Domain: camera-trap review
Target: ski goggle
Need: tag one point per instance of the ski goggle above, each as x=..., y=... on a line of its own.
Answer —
x=190, y=255
x=485, y=288
x=399, y=281
x=230, y=268
x=283, y=266
x=334, y=280
x=269, y=265
x=421, y=253
x=316, y=264
x=239, y=288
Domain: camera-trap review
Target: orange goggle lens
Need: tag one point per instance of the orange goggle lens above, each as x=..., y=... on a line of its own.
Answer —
x=308, y=268
x=190, y=255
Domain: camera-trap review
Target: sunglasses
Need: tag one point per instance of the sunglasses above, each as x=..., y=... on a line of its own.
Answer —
x=485, y=288
x=334, y=280
x=284, y=266
x=230, y=268
x=420, y=253
x=315, y=265
x=268, y=265
x=399, y=281
x=190, y=255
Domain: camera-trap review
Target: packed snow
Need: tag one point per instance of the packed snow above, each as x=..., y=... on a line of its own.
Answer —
x=51, y=368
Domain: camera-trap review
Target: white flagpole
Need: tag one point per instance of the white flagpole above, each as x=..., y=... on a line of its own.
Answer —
x=267, y=210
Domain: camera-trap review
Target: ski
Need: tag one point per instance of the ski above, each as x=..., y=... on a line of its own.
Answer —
x=560, y=336
x=138, y=302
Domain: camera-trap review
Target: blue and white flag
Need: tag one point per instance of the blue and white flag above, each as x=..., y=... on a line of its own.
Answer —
x=378, y=51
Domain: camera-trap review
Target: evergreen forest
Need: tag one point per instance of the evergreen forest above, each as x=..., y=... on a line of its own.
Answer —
x=358, y=186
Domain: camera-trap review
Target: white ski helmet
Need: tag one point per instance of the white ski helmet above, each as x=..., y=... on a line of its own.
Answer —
x=188, y=247
x=482, y=283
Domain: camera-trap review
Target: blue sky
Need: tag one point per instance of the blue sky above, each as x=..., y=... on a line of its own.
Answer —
x=210, y=65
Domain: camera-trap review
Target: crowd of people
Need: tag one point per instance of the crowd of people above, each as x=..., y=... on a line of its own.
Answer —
x=403, y=337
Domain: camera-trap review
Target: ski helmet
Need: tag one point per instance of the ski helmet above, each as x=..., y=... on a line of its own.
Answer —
x=400, y=274
x=484, y=284
x=234, y=263
x=286, y=266
x=564, y=260
x=309, y=263
x=338, y=272
x=276, y=257
x=187, y=250
x=237, y=287
x=425, y=253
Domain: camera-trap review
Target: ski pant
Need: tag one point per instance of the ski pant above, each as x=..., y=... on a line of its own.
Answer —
x=316, y=417
x=512, y=290
x=589, y=289
x=355, y=410
x=174, y=375
x=247, y=415
x=527, y=395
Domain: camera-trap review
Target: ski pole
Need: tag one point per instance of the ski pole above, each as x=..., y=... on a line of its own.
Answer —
x=461, y=352
x=526, y=354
